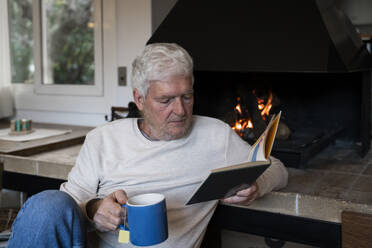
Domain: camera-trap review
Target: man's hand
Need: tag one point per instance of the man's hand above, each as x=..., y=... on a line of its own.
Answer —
x=245, y=196
x=107, y=213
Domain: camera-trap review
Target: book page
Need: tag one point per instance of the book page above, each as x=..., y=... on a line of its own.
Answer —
x=273, y=127
x=261, y=149
x=258, y=152
x=239, y=166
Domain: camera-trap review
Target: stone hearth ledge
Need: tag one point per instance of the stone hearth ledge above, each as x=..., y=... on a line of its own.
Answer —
x=58, y=163
x=307, y=206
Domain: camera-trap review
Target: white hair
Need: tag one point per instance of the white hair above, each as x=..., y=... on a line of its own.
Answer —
x=159, y=61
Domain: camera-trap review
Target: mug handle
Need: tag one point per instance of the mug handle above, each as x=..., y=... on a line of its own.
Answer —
x=124, y=230
x=124, y=226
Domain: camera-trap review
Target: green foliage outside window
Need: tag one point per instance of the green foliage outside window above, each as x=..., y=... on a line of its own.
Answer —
x=21, y=41
x=70, y=41
x=69, y=38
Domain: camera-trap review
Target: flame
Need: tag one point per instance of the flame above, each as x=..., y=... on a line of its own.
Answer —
x=265, y=108
x=250, y=124
x=238, y=108
x=243, y=123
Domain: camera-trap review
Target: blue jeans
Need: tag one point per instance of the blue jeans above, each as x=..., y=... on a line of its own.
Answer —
x=49, y=219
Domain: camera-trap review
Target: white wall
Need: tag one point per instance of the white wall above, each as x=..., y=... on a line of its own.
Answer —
x=126, y=28
x=133, y=31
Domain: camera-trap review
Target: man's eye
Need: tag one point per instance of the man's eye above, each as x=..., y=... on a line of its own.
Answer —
x=188, y=97
x=164, y=101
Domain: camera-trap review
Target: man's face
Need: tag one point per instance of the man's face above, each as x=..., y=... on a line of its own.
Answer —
x=167, y=108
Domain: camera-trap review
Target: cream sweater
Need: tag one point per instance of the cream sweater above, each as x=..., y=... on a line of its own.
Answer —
x=117, y=156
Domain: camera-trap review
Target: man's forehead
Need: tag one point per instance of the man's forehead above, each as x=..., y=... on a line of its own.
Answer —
x=166, y=96
x=171, y=86
x=171, y=78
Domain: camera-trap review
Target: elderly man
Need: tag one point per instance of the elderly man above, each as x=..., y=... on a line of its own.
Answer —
x=168, y=151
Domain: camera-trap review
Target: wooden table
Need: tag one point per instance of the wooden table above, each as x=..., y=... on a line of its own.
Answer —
x=22, y=170
x=76, y=136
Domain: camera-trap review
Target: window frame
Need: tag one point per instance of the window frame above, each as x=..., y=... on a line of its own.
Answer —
x=39, y=58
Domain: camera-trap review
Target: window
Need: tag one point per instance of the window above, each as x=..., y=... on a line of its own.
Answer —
x=21, y=41
x=56, y=44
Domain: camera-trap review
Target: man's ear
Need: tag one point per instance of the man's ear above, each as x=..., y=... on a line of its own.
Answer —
x=138, y=99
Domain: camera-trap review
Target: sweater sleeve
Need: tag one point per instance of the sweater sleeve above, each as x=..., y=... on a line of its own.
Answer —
x=83, y=179
x=274, y=178
x=237, y=151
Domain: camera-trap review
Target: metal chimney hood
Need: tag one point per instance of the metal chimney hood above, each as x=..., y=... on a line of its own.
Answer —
x=265, y=36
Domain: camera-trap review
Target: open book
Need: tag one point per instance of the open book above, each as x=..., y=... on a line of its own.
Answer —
x=226, y=181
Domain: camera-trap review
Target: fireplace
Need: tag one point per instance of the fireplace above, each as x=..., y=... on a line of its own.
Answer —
x=318, y=108
x=307, y=53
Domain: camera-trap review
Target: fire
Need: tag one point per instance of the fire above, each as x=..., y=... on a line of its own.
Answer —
x=250, y=125
x=238, y=108
x=243, y=122
x=265, y=108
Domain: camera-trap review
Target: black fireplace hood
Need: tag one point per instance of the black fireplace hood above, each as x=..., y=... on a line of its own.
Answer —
x=265, y=36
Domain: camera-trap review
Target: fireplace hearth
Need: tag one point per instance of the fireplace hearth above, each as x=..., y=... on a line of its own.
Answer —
x=303, y=145
x=318, y=108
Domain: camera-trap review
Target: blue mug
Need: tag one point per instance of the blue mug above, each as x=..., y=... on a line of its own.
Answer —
x=147, y=219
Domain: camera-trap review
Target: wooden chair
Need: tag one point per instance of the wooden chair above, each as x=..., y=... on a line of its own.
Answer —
x=124, y=112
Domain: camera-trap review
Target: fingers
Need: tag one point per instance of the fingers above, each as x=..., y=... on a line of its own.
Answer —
x=106, y=222
x=234, y=199
x=110, y=214
x=246, y=196
x=247, y=192
x=120, y=196
x=241, y=199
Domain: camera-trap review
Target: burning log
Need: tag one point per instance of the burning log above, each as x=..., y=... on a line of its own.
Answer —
x=255, y=114
x=252, y=113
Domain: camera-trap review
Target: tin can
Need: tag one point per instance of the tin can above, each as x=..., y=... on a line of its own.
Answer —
x=17, y=125
x=12, y=125
x=24, y=125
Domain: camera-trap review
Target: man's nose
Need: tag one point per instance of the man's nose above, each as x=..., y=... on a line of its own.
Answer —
x=178, y=106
